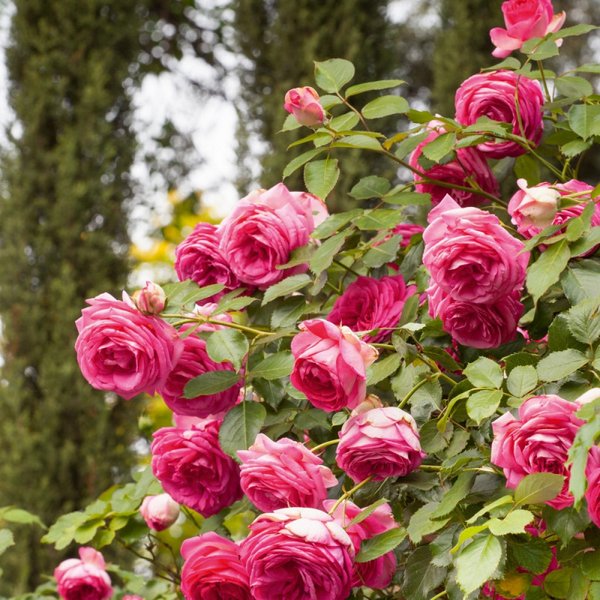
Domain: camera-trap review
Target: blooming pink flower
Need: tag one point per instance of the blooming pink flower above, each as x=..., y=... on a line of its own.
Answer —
x=497, y=95
x=298, y=553
x=283, y=473
x=303, y=103
x=132, y=597
x=83, y=577
x=193, y=469
x=123, y=351
x=369, y=303
x=407, y=231
x=382, y=442
x=592, y=495
x=151, y=299
x=538, y=441
x=524, y=20
x=330, y=365
x=159, y=511
x=212, y=569
x=313, y=206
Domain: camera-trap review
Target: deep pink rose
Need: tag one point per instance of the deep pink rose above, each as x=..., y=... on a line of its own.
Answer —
x=469, y=166
x=407, y=231
x=193, y=469
x=369, y=303
x=298, y=553
x=261, y=233
x=524, y=20
x=303, y=103
x=494, y=95
x=84, y=577
x=592, y=495
x=194, y=361
x=198, y=258
x=477, y=325
x=330, y=365
x=283, y=473
x=159, y=512
x=381, y=442
x=212, y=569
x=538, y=441
x=377, y=573
x=470, y=256
x=123, y=351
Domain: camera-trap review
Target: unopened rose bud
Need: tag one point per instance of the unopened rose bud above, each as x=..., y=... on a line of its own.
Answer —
x=151, y=299
x=303, y=103
x=159, y=512
x=539, y=204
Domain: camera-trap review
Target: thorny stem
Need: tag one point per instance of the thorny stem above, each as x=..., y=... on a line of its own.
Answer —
x=199, y=319
x=324, y=445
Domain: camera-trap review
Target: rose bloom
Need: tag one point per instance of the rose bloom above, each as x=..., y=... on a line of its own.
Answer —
x=212, y=569
x=477, y=325
x=261, y=233
x=494, y=95
x=538, y=441
x=407, y=231
x=123, y=351
x=330, y=365
x=592, y=495
x=193, y=469
x=469, y=165
x=198, y=258
x=298, y=553
x=303, y=103
x=524, y=20
x=83, y=577
x=377, y=573
x=194, y=361
x=132, y=597
x=382, y=442
x=159, y=511
x=470, y=256
x=283, y=473
x=369, y=303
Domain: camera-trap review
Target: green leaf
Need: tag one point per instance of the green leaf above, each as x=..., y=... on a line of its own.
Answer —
x=241, y=426
x=380, y=544
x=458, y=492
x=367, y=511
x=274, y=366
x=521, y=380
x=290, y=124
x=492, y=506
x=372, y=86
x=477, y=563
x=187, y=293
x=584, y=120
x=321, y=176
x=6, y=540
x=585, y=439
x=573, y=86
x=575, y=30
x=382, y=369
x=365, y=142
x=382, y=254
x=582, y=281
x=285, y=287
x=558, y=365
x=331, y=75
x=540, y=50
x=439, y=147
x=484, y=373
x=583, y=320
x=210, y=383
x=385, y=106
x=378, y=219
x=12, y=514
x=557, y=583
x=334, y=223
x=575, y=148
x=534, y=555
x=344, y=122
x=514, y=522
x=370, y=187
x=538, y=488
x=546, y=270
x=86, y=532
x=566, y=522
x=483, y=404
x=590, y=565
x=421, y=576
x=421, y=523
x=227, y=345
x=301, y=160
x=326, y=252
x=407, y=199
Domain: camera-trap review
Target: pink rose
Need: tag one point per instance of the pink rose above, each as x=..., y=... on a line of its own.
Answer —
x=470, y=256
x=151, y=299
x=592, y=495
x=83, y=577
x=538, y=441
x=494, y=95
x=313, y=206
x=369, y=303
x=159, y=512
x=524, y=20
x=283, y=473
x=467, y=168
x=123, y=351
x=330, y=365
x=298, y=553
x=261, y=233
x=407, y=231
x=377, y=573
x=303, y=103
x=382, y=442
x=132, y=597
x=193, y=469
x=194, y=361
x=212, y=569
x=198, y=258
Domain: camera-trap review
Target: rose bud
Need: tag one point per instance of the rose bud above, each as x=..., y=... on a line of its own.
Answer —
x=83, y=577
x=159, y=512
x=303, y=103
x=151, y=299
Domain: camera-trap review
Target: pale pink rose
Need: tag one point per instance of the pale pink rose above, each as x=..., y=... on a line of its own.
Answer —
x=123, y=351
x=377, y=573
x=303, y=103
x=194, y=361
x=330, y=365
x=592, y=495
x=159, y=512
x=151, y=299
x=524, y=20
x=369, y=303
x=261, y=233
x=193, y=469
x=382, y=442
x=83, y=577
x=283, y=473
x=212, y=569
x=296, y=554
x=538, y=441
x=470, y=256
x=198, y=258
x=313, y=206
x=494, y=95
